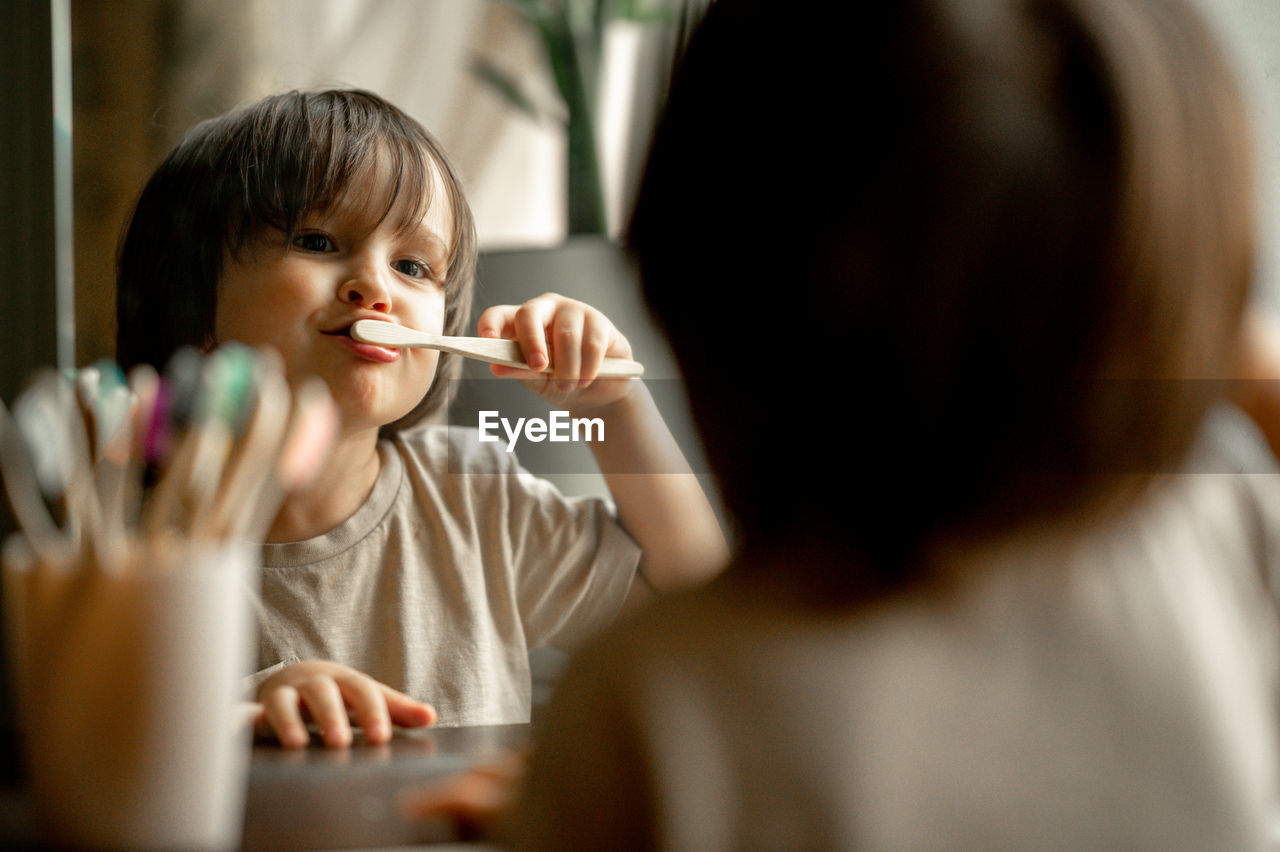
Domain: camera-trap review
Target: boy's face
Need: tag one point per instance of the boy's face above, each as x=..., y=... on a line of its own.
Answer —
x=301, y=298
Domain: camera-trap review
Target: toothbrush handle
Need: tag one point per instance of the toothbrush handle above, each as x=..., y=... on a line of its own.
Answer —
x=492, y=350
x=507, y=353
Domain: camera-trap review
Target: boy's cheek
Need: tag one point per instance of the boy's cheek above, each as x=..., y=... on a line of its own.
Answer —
x=428, y=314
x=253, y=325
x=427, y=364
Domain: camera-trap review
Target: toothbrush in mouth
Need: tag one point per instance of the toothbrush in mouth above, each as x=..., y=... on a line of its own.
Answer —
x=491, y=350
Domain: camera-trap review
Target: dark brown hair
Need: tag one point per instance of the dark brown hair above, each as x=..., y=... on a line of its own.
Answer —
x=265, y=166
x=1010, y=235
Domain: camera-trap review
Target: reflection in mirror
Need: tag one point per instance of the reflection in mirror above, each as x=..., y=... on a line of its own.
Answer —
x=476, y=74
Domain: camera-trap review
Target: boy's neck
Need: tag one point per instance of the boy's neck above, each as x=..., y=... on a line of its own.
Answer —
x=338, y=491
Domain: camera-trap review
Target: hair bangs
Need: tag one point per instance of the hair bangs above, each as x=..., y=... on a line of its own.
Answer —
x=306, y=150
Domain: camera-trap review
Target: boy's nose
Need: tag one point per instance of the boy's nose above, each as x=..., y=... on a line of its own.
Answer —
x=367, y=290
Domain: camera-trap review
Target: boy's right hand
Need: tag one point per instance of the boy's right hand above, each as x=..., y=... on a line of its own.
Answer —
x=332, y=696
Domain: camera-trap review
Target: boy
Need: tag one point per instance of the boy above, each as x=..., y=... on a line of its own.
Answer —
x=420, y=566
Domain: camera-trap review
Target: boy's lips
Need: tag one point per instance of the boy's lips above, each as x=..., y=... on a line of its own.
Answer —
x=368, y=351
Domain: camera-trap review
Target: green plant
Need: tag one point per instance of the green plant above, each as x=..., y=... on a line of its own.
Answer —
x=572, y=33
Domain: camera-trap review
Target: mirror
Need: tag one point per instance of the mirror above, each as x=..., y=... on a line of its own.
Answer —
x=476, y=74
x=35, y=189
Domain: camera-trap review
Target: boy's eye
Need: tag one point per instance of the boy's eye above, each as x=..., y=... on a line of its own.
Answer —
x=412, y=268
x=314, y=242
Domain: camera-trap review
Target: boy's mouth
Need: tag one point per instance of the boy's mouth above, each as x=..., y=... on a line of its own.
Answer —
x=339, y=331
x=367, y=351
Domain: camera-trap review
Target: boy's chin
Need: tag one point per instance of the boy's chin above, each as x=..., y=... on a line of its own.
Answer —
x=399, y=417
x=372, y=405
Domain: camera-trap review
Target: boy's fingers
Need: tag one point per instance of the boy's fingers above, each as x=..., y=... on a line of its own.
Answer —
x=324, y=701
x=251, y=713
x=500, y=322
x=497, y=321
x=530, y=324
x=405, y=711
x=280, y=706
x=566, y=344
x=504, y=372
x=473, y=795
x=473, y=801
x=554, y=330
x=368, y=706
x=471, y=805
x=598, y=336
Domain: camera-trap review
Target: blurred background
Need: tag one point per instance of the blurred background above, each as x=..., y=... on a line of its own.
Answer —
x=519, y=93
x=544, y=105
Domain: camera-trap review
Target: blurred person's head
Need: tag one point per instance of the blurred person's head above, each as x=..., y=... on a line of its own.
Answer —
x=939, y=269
x=253, y=177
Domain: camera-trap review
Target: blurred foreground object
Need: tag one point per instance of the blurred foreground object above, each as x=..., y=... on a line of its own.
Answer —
x=128, y=606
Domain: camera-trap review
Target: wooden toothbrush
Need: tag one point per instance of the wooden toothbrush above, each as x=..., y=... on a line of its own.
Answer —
x=492, y=350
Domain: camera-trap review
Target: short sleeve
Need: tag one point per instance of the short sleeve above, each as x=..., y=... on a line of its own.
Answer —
x=574, y=563
x=571, y=563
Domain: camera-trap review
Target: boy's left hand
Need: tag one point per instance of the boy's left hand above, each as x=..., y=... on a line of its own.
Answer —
x=571, y=336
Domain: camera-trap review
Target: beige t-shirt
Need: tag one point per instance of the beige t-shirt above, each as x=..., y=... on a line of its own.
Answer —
x=457, y=564
x=1118, y=692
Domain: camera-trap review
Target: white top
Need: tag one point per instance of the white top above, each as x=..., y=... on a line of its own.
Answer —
x=1117, y=692
x=457, y=564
